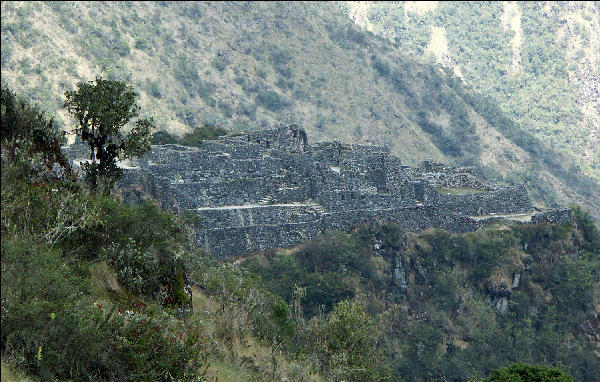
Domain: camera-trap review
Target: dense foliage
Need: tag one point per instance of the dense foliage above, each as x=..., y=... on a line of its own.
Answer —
x=467, y=301
x=61, y=247
x=526, y=373
x=103, y=109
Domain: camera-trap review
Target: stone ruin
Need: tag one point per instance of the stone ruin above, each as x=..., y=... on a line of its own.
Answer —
x=270, y=189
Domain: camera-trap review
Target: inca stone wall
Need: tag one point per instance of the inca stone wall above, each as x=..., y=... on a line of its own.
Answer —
x=270, y=188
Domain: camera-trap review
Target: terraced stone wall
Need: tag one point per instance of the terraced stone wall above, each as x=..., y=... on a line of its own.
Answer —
x=269, y=188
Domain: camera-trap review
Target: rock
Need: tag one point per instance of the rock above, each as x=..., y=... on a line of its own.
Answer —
x=516, y=280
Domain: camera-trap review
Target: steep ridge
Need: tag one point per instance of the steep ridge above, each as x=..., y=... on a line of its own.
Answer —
x=250, y=66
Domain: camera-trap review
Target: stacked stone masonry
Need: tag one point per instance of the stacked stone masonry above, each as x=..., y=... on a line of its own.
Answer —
x=270, y=188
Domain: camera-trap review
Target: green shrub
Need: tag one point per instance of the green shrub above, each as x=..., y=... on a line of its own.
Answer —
x=248, y=109
x=347, y=36
x=527, y=373
x=50, y=328
x=187, y=73
x=226, y=108
x=219, y=63
x=261, y=72
x=589, y=230
x=141, y=43
x=271, y=100
x=206, y=132
x=27, y=129
x=187, y=115
x=447, y=144
x=338, y=266
x=206, y=89
x=163, y=138
x=382, y=67
x=348, y=347
x=155, y=89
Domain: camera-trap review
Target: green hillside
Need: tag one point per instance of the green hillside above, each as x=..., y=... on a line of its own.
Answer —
x=95, y=290
x=539, y=61
x=248, y=66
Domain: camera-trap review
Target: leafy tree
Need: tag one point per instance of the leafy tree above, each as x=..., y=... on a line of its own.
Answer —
x=103, y=110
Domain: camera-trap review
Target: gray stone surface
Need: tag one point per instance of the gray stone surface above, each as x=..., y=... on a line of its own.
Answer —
x=270, y=188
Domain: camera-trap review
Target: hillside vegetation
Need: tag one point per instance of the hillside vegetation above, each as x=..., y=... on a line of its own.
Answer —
x=453, y=306
x=539, y=61
x=97, y=290
x=251, y=65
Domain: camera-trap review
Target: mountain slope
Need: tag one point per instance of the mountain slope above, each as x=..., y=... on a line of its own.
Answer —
x=539, y=60
x=370, y=305
x=247, y=66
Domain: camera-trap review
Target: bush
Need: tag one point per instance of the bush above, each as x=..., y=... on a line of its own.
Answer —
x=261, y=72
x=589, y=230
x=271, y=100
x=338, y=265
x=219, y=63
x=163, y=138
x=141, y=43
x=347, y=36
x=52, y=229
x=527, y=373
x=187, y=73
x=226, y=108
x=382, y=67
x=206, y=132
x=155, y=90
x=439, y=137
x=50, y=328
x=248, y=109
x=29, y=131
x=206, y=89
x=348, y=347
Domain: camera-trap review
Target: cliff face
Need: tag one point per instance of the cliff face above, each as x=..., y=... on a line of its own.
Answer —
x=270, y=188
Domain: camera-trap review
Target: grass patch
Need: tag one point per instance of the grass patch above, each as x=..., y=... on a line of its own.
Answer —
x=9, y=375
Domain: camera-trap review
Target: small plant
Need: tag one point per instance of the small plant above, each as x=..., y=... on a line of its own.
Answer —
x=219, y=63
x=261, y=72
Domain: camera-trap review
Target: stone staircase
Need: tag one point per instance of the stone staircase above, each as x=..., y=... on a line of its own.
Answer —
x=319, y=209
x=266, y=200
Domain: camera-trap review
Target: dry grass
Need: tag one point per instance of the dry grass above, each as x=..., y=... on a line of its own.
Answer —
x=10, y=375
x=243, y=359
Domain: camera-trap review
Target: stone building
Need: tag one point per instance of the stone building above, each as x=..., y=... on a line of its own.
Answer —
x=270, y=188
